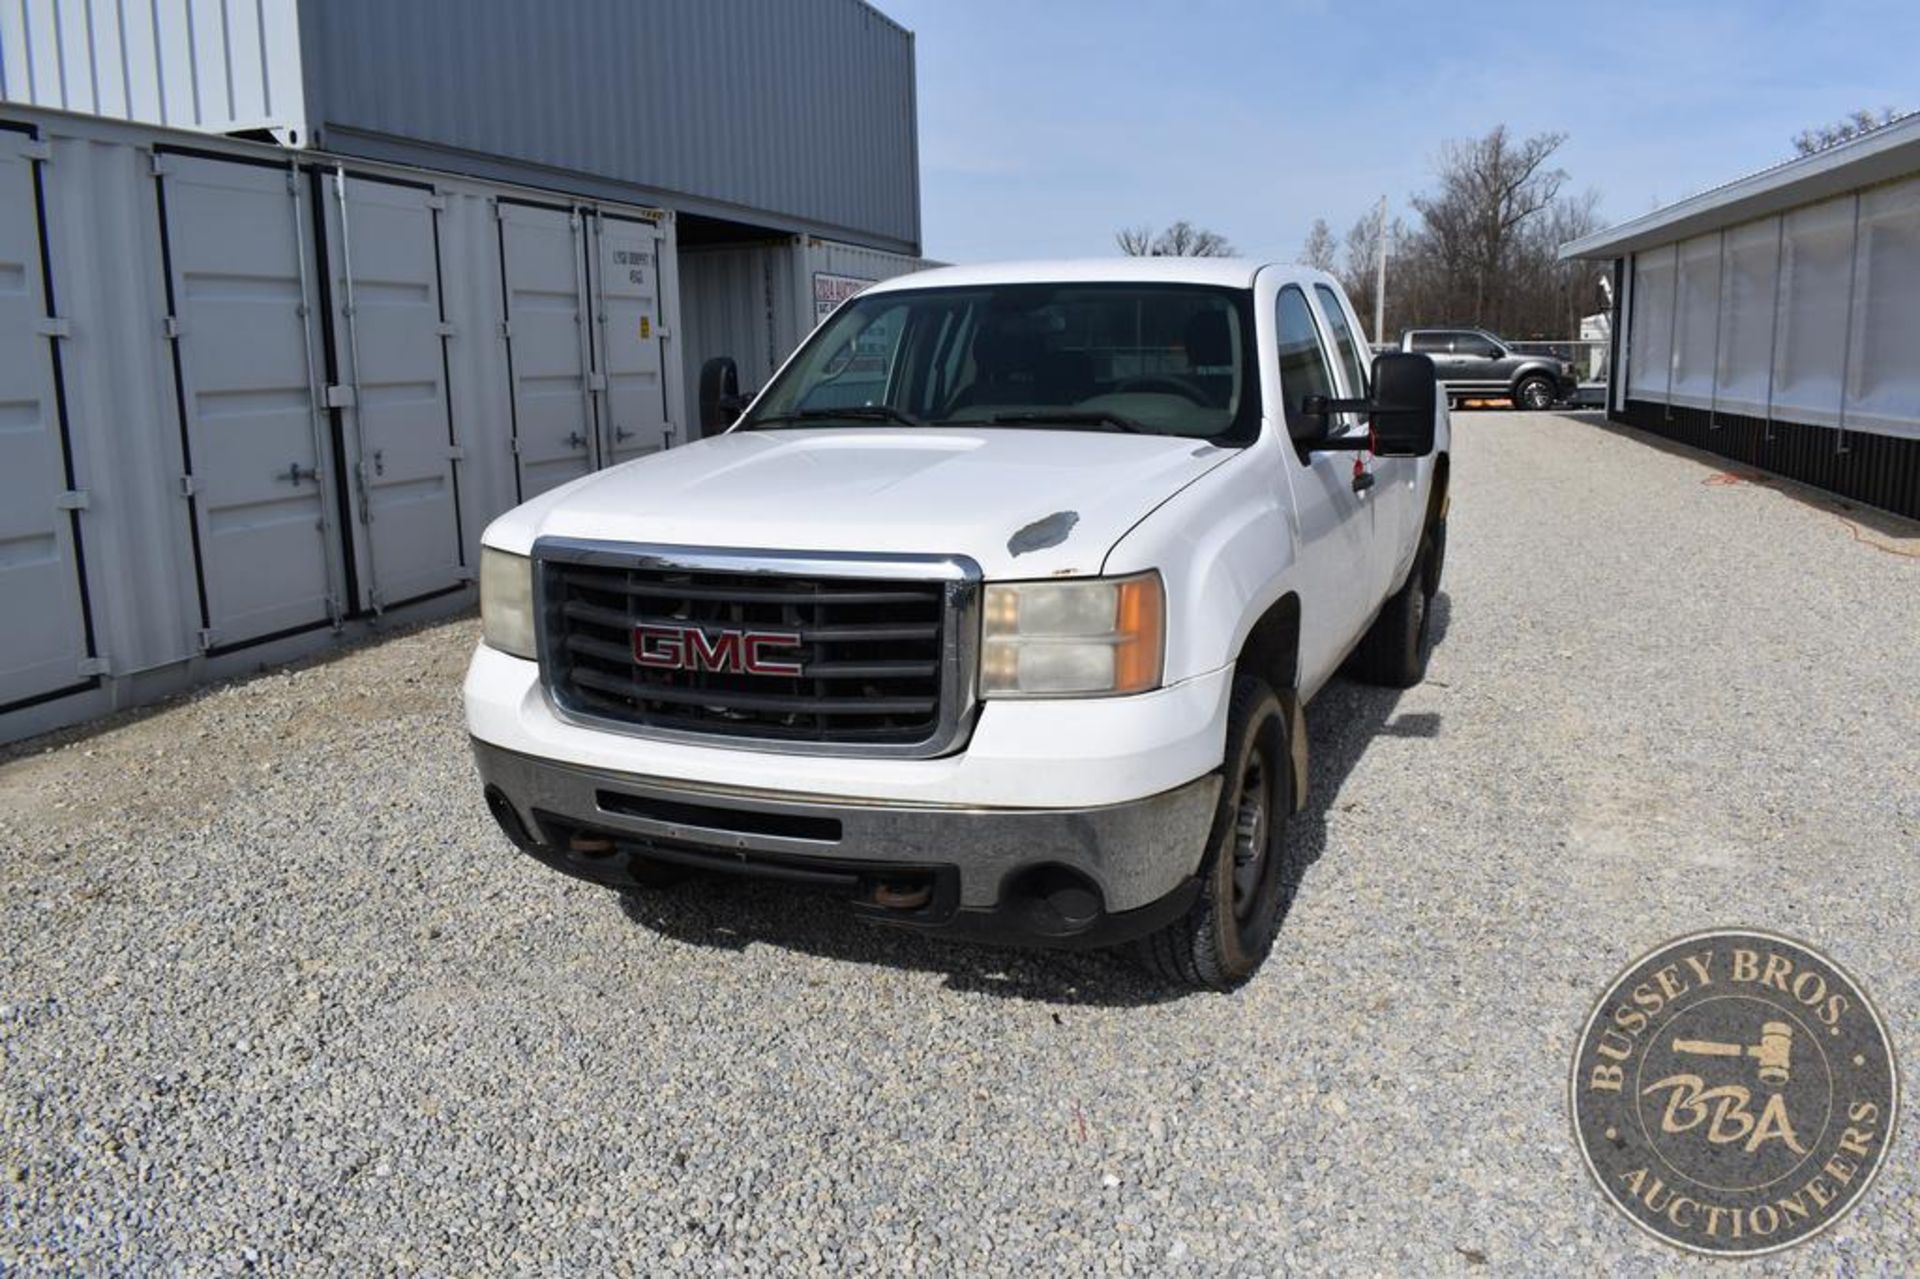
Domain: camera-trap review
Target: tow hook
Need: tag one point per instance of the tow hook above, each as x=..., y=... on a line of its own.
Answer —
x=590, y=845
x=902, y=896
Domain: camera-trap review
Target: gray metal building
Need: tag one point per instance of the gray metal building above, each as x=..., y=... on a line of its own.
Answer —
x=262, y=384
x=789, y=115
x=1775, y=320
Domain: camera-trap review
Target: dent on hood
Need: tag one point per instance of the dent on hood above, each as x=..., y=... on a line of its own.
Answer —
x=1048, y=531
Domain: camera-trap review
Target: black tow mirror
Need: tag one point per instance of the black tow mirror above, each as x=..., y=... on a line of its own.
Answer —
x=720, y=398
x=1402, y=414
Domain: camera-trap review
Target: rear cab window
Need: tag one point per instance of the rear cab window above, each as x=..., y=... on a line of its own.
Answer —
x=1344, y=341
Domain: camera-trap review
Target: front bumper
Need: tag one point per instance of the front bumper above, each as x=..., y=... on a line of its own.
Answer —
x=1077, y=877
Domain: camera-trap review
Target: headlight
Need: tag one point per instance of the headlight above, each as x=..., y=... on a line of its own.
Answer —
x=1087, y=638
x=506, y=602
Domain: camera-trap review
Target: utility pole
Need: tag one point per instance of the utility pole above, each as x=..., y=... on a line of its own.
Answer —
x=1380, y=282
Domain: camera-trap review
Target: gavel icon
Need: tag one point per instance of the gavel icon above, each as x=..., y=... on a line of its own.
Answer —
x=1774, y=1052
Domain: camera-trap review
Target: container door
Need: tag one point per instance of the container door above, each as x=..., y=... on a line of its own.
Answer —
x=542, y=270
x=43, y=630
x=389, y=335
x=634, y=416
x=259, y=482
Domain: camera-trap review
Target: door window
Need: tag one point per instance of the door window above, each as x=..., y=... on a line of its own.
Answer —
x=1304, y=370
x=1344, y=340
x=1431, y=343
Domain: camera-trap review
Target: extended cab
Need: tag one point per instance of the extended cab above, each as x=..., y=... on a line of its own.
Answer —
x=1473, y=363
x=996, y=610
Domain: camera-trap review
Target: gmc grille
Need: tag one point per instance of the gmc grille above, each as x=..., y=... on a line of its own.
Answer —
x=878, y=659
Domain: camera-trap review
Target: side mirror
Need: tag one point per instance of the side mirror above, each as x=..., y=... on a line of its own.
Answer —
x=1405, y=390
x=1401, y=414
x=720, y=398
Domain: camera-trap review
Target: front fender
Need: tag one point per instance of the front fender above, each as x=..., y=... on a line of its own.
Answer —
x=1226, y=549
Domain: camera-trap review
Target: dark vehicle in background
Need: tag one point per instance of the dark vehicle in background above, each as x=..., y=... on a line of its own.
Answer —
x=1474, y=364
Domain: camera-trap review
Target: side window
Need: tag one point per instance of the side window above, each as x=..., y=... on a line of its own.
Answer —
x=1304, y=370
x=1344, y=340
x=1430, y=343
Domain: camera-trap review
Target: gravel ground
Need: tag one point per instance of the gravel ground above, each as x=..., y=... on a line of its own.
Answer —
x=274, y=993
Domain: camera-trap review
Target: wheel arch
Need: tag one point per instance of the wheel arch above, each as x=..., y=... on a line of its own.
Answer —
x=1272, y=651
x=1439, y=498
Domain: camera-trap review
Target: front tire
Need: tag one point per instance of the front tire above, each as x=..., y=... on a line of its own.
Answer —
x=1226, y=935
x=1534, y=393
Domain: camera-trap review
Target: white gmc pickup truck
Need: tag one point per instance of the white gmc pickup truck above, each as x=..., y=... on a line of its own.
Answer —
x=996, y=610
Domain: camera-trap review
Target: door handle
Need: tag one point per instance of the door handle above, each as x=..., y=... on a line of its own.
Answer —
x=1362, y=480
x=576, y=440
x=622, y=433
x=296, y=472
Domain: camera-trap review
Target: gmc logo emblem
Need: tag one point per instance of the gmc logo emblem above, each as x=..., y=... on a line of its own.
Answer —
x=689, y=648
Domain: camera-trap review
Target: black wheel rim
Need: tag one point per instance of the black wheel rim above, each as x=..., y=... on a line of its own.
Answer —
x=1252, y=831
x=1534, y=395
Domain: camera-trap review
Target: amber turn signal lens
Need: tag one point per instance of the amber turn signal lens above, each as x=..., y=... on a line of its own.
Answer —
x=1140, y=625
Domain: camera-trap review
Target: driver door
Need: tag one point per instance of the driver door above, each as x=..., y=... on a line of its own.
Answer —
x=1333, y=522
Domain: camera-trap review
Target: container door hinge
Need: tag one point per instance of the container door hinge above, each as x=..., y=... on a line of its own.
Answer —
x=204, y=639
x=506, y=329
x=173, y=328
x=91, y=666
x=464, y=573
x=339, y=396
x=438, y=203
x=513, y=446
x=447, y=329
x=53, y=326
x=375, y=601
x=158, y=165
x=596, y=381
x=457, y=452
x=39, y=149
x=187, y=487
x=333, y=611
x=71, y=500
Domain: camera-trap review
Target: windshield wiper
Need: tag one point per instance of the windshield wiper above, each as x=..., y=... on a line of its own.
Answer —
x=1071, y=417
x=852, y=413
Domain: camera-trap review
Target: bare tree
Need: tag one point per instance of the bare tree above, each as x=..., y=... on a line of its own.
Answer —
x=1181, y=240
x=1490, y=188
x=1320, y=250
x=1861, y=122
x=1487, y=247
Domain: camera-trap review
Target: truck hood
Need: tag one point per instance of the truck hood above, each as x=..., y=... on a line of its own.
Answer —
x=1022, y=503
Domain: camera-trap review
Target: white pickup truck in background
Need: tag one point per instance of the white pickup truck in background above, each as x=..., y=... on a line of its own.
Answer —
x=996, y=610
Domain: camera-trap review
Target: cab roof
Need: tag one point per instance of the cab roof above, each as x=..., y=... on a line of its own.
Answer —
x=1236, y=273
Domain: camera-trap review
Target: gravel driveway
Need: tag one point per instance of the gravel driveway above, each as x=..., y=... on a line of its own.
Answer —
x=274, y=992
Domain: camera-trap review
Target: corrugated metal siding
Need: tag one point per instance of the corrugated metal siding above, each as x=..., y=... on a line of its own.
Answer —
x=799, y=113
x=755, y=303
x=228, y=501
x=218, y=65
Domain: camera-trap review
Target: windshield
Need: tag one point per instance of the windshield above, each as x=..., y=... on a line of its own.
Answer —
x=1158, y=359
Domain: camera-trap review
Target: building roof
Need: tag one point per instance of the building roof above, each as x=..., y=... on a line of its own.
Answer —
x=1886, y=153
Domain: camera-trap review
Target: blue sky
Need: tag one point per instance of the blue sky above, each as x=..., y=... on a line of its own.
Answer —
x=1044, y=125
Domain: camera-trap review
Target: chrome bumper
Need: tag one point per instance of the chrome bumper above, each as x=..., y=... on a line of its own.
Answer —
x=1137, y=853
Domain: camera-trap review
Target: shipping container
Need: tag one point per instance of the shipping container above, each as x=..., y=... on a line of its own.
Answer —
x=256, y=399
x=753, y=303
x=785, y=115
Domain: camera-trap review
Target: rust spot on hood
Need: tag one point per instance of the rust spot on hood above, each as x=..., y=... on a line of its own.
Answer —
x=1042, y=533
